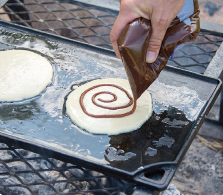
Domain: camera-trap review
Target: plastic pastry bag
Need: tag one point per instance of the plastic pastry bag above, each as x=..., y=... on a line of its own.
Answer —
x=133, y=42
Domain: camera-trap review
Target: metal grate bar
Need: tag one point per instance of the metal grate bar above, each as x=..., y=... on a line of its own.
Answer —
x=25, y=172
x=89, y=24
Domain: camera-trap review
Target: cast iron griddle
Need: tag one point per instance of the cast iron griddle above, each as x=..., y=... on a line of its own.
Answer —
x=148, y=156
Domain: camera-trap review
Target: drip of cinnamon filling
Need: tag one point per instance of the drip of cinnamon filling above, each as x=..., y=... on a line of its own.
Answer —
x=131, y=101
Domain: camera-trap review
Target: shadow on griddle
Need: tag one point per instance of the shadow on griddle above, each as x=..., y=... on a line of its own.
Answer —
x=158, y=140
x=19, y=111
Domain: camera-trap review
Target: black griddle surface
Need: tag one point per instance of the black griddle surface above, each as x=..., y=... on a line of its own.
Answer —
x=180, y=101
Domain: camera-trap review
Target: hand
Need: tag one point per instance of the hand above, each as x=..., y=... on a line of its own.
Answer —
x=160, y=12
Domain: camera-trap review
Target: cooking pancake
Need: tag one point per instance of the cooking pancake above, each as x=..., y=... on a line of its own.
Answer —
x=23, y=74
x=95, y=117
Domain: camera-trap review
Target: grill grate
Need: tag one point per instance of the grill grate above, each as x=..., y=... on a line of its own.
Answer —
x=25, y=172
x=71, y=19
x=91, y=24
x=197, y=56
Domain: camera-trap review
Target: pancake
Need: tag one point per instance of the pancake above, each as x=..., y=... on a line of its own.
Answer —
x=100, y=120
x=23, y=74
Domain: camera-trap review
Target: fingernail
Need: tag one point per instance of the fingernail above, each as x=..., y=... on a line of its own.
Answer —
x=150, y=56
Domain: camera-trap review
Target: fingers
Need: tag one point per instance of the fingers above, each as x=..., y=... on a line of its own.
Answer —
x=159, y=27
x=119, y=25
x=161, y=17
x=161, y=13
x=123, y=19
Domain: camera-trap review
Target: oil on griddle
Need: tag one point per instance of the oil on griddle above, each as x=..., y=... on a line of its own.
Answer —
x=42, y=118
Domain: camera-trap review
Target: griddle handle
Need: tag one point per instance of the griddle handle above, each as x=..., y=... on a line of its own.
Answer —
x=157, y=179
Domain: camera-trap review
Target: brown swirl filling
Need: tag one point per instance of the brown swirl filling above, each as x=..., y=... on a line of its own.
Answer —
x=131, y=101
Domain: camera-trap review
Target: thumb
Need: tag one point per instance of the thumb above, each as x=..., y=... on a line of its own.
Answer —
x=159, y=28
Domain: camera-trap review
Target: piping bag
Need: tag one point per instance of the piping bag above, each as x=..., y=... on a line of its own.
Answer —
x=134, y=39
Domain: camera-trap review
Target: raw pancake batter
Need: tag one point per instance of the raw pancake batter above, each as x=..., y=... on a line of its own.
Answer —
x=108, y=123
x=23, y=74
